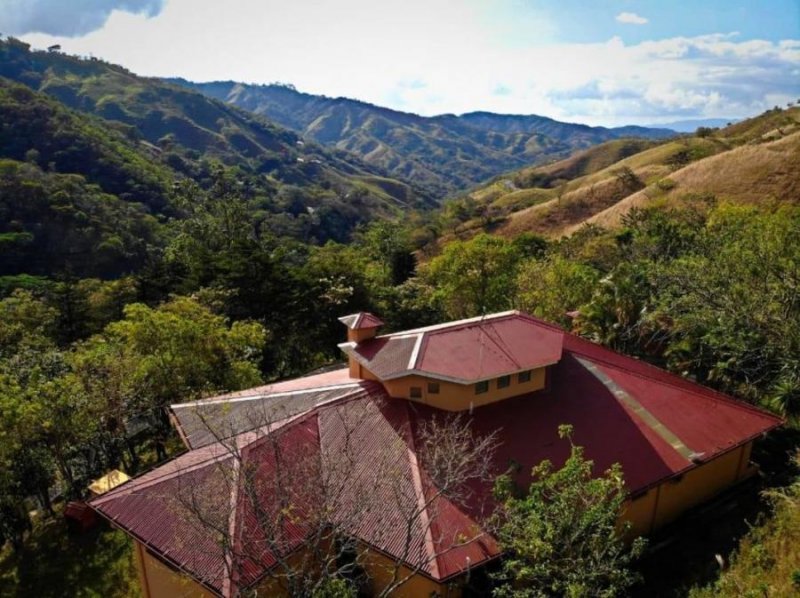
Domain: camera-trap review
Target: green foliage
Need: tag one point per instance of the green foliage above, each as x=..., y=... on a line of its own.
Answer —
x=54, y=563
x=551, y=287
x=562, y=536
x=335, y=588
x=473, y=277
x=53, y=223
x=181, y=350
x=733, y=306
x=766, y=562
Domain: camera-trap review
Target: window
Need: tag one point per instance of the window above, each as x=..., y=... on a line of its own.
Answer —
x=415, y=392
x=524, y=377
x=482, y=387
x=433, y=388
x=504, y=382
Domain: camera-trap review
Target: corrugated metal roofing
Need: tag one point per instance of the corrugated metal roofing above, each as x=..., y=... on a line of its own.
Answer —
x=205, y=422
x=466, y=351
x=622, y=411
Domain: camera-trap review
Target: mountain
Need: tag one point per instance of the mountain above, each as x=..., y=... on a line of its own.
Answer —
x=136, y=137
x=755, y=160
x=445, y=153
x=690, y=126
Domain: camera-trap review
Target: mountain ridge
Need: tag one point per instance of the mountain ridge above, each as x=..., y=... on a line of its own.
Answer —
x=446, y=152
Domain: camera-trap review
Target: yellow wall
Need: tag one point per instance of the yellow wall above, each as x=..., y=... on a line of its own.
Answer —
x=380, y=570
x=161, y=581
x=696, y=486
x=457, y=397
x=666, y=502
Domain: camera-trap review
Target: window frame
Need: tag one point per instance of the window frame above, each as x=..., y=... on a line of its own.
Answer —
x=481, y=387
x=415, y=392
x=434, y=388
x=526, y=376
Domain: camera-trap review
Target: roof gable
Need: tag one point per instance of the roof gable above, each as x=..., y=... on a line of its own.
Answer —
x=464, y=352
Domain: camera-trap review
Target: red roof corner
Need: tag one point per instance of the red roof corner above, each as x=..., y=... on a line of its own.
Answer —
x=361, y=320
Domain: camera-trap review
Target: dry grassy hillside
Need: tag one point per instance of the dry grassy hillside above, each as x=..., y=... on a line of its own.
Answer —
x=755, y=160
x=750, y=173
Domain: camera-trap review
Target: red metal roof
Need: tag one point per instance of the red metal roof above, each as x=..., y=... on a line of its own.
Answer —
x=613, y=403
x=465, y=351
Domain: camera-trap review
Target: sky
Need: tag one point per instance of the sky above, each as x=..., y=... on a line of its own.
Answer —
x=608, y=62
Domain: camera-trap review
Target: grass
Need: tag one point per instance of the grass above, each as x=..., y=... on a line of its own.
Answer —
x=749, y=173
x=56, y=563
x=767, y=562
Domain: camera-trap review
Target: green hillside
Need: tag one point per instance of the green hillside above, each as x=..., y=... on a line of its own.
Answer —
x=445, y=153
x=753, y=160
x=164, y=132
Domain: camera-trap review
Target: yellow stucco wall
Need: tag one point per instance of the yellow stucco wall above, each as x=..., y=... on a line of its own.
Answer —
x=666, y=502
x=161, y=581
x=696, y=486
x=380, y=570
x=458, y=397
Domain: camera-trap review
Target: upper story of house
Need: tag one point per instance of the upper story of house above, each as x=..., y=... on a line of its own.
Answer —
x=455, y=366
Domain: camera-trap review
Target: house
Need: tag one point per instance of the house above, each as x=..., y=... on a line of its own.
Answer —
x=359, y=430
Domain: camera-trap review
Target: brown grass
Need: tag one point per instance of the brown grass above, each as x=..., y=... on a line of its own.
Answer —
x=747, y=174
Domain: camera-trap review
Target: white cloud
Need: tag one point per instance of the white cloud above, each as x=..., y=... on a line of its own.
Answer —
x=631, y=18
x=422, y=56
x=72, y=18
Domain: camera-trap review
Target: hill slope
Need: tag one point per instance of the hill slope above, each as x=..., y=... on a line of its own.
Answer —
x=754, y=160
x=185, y=133
x=445, y=153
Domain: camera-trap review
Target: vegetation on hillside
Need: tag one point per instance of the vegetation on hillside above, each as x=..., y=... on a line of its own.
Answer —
x=751, y=161
x=767, y=562
x=446, y=153
x=135, y=137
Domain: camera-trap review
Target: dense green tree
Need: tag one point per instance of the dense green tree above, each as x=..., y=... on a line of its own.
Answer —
x=473, y=277
x=551, y=287
x=175, y=352
x=734, y=307
x=562, y=536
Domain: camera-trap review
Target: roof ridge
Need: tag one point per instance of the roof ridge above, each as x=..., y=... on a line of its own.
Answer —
x=696, y=388
x=264, y=395
x=419, y=491
x=454, y=324
x=701, y=389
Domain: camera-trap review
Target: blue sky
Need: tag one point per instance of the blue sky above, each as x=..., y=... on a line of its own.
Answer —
x=586, y=21
x=604, y=62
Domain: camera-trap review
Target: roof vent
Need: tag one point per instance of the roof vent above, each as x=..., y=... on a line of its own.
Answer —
x=361, y=326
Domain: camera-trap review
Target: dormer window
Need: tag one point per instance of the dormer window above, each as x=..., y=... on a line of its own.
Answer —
x=524, y=376
x=482, y=387
x=504, y=382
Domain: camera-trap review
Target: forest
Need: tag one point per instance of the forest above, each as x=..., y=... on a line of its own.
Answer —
x=137, y=271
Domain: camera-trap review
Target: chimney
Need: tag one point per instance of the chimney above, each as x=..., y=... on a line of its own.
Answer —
x=361, y=326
